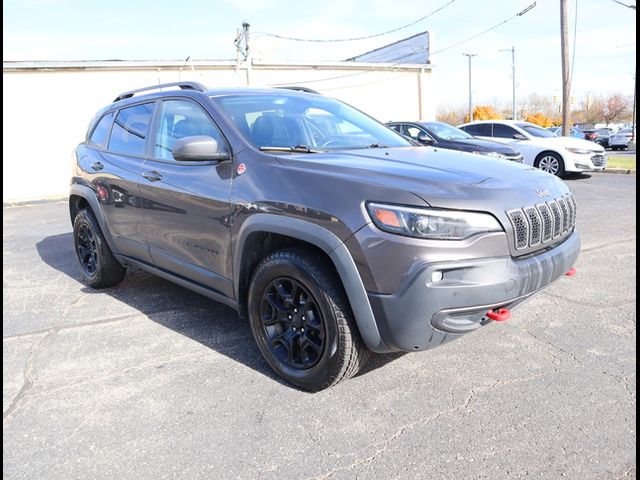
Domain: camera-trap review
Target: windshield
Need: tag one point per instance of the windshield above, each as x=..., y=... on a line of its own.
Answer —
x=446, y=131
x=535, y=130
x=290, y=121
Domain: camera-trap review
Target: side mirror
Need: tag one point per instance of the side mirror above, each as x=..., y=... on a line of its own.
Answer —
x=426, y=139
x=519, y=136
x=198, y=148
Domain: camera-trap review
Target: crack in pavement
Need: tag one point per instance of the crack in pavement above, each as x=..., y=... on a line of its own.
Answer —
x=28, y=371
x=386, y=444
x=622, y=380
x=588, y=304
x=116, y=318
x=608, y=244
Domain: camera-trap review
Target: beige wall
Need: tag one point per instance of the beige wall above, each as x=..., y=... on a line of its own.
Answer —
x=46, y=111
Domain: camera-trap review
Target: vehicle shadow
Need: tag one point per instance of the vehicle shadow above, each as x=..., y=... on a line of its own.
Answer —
x=569, y=177
x=209, y=323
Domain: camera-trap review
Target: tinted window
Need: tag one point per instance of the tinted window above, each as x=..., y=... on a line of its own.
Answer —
x=446, y=131
x=101, y=132
x=413, y=132
x=535, y=130
x=478, y=130
x=130, y=129
x=179, y=119
x=503, y=131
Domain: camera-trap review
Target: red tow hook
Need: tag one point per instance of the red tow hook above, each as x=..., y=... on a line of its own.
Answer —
x=571, y=272
x=500, y=315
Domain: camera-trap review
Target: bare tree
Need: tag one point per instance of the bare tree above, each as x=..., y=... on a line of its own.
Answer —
x=616, y=107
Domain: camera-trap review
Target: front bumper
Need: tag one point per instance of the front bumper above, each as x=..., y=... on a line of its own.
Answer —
x=594, y=162
x=424, y=313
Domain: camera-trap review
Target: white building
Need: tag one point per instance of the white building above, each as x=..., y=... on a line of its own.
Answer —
x=48, y=105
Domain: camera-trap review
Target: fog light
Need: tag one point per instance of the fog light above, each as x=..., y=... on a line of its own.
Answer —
x=582, y=166
x=436, y=276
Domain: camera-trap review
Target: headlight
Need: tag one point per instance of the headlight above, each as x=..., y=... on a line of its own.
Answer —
x=579, y=151
x=490, y=154
x=430, y=223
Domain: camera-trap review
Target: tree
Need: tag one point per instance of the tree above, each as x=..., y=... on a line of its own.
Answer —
x=616, y=107
x=451, y=116
x=484, y=112
x=539, y=119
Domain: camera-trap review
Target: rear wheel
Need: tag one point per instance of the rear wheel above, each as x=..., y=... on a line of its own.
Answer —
x=98, y=266
x=302, y=322
x=551, y=163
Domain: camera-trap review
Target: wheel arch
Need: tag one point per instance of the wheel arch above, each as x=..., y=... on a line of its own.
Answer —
x=82, y=196
x=261, y=234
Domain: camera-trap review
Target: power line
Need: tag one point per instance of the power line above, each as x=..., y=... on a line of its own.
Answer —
x=624, y=4
x=519, y=14
x=575, y=36
x=353, y=39
x=337, y=77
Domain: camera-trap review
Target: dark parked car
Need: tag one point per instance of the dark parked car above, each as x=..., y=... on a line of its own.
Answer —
x=600, y=136
x=334, y=235
x=443, y=135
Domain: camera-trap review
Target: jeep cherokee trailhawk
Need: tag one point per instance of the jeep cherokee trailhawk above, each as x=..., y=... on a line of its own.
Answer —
x=330, y=232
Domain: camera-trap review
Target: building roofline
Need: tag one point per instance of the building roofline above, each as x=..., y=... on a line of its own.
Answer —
x=51, y=65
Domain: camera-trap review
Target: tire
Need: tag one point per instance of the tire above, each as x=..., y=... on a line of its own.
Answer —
x=98, y=266
x=293, y=290
x=551, y=163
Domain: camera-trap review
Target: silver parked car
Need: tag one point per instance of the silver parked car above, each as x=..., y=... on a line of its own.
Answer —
x=620, y=139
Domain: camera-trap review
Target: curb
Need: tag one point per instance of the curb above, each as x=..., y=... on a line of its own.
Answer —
x=35, y=202
x=620, y=171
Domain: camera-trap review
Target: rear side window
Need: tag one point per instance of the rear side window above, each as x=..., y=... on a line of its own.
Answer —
x=100, y=134
x=503, y=131
x=130, y=129
x=478, y=130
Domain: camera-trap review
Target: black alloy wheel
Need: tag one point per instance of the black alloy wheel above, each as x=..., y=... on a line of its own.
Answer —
x=292, y=323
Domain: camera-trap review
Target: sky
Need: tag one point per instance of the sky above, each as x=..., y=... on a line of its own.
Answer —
x=604, y=60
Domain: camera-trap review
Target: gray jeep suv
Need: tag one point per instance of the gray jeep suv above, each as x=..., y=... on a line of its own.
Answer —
x=330, y=232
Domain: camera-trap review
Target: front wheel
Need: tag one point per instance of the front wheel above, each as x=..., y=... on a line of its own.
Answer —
x=302, y=321
x=550, y=163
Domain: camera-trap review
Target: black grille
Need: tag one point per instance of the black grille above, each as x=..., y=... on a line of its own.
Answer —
x=598, y=160
x=542, y=223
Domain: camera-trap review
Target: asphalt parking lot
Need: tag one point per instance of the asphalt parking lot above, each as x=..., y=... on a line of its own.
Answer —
x=148, y=380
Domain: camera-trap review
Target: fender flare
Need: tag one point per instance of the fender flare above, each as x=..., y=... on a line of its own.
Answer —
x=337, y=252
x=89, y=195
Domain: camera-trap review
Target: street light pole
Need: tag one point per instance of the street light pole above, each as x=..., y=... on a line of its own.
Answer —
x=513, y=77
x=469, y=55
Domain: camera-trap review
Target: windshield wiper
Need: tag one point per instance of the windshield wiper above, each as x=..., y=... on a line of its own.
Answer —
x=296, y=149
x=377, y=145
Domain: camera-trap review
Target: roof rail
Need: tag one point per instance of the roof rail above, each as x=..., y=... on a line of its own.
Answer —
x=301, y=89
x=183, y=85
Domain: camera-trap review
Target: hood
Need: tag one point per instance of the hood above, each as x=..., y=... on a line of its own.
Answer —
x=478, y=145
x=563, y=142
x=442, y=178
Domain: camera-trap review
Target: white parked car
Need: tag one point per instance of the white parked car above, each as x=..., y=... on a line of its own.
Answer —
x=620, y=139
x=540, y=147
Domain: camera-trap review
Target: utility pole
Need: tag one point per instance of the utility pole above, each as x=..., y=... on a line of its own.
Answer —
x=633, y=119
x=242, y=48
x=566, y=81
x=470, y=55
x=513, y=76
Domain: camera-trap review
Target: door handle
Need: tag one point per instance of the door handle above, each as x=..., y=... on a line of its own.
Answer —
x=152, y=176
x=97, y=166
